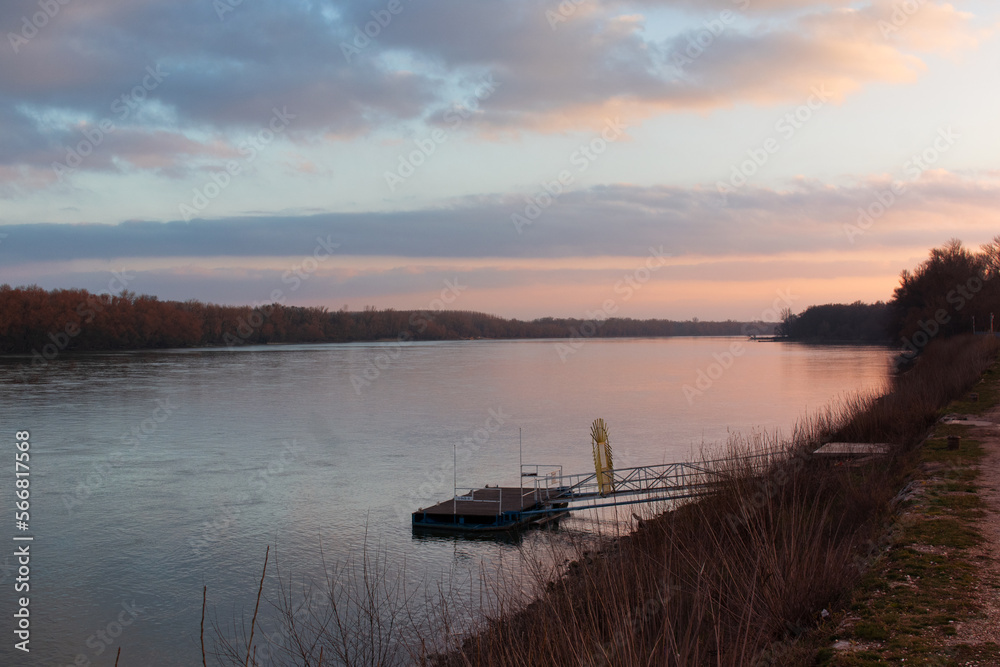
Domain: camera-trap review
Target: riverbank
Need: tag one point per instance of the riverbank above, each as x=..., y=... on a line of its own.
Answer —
x=757, y=573
x=932, y=592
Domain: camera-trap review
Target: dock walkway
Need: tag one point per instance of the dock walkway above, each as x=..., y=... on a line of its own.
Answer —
x=552, y=494
x=507, y=508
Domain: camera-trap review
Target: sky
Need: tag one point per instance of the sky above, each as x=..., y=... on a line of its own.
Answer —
x=655, y=158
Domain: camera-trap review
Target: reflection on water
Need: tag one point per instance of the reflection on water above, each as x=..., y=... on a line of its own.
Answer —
x=331, y=445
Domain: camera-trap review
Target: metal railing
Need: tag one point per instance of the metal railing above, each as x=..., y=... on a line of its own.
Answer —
x=552, y=478
x=665, y=481
x=471, y=498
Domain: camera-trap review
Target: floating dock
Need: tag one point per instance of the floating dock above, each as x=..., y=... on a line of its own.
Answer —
x=491, y=509
x=552, y=494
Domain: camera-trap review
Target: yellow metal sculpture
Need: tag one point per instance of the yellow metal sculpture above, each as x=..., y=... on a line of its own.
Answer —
x=603, y=460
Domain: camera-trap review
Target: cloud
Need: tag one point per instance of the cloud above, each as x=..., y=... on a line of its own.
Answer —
x=599, y=61
x=221, y=78
x=701, y=286
x=224, y=76
x=610, y=220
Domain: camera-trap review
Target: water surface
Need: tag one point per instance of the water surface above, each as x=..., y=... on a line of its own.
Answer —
x=155, y=473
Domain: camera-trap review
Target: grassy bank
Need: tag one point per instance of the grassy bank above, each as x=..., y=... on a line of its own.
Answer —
x=735, y=578
x=920, y=589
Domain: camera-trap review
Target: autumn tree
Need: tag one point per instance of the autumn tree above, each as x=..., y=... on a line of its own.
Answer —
x=943, y=294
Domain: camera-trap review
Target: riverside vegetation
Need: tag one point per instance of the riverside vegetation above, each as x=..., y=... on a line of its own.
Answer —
x=930, y=597
x=757, y=573
x=951, y=292
x=44, y=324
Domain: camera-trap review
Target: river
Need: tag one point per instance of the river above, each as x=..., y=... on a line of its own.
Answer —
x=156, y=473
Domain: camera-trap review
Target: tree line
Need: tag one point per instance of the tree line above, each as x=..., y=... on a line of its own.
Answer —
x=44, y=323
x=838, y=322
x=953, y=291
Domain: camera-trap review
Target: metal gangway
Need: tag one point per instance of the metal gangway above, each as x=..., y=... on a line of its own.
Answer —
x=641, y=484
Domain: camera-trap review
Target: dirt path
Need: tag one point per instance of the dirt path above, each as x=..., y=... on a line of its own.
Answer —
x=987, y=590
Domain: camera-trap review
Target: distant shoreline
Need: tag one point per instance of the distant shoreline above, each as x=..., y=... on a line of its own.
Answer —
x=44, y=324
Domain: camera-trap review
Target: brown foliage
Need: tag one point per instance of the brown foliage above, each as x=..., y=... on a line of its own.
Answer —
x=35, y=321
